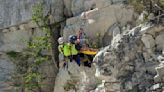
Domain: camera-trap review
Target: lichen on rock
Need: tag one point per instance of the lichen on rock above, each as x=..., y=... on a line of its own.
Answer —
x=129, y=63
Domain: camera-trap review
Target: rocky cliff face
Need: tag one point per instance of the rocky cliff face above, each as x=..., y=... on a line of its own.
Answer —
x=132, y=61
x=103, y=19
x=16, y=29
x=14, y=12
x=11, y=39
x=129, y=64
x=6, y=71
x=14, y=39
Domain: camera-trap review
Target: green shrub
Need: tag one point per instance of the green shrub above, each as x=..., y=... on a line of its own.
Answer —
x=97, y=42
x=28, y=62
x=137, y=4
x=161, y=2
x=148, y=5
x=98, y=81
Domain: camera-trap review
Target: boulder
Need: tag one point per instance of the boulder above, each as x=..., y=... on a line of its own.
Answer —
x=89, y=4
x=101, y=22
x=116, y=40
x=31, y=24
x=77, y=6
x=68, y=5
x=123, y=64
x=83, y=75
x=5, y=30
x=13, y=29
x=151, y=16
x=148, y=41
x=103, y=3
x=116, y=31
x=159, y=41
x=160, y=73
x=110, y=33
x=14, y=40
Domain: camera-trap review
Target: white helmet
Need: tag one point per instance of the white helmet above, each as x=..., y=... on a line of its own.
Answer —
x=60, y=40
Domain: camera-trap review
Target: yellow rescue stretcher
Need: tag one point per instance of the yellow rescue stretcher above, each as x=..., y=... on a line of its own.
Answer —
x=89, y=51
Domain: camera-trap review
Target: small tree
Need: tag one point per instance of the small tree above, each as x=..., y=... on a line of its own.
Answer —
x=29, y=62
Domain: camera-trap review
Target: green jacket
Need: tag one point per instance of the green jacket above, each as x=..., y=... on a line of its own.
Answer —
x=73, y=50
x=67, y=49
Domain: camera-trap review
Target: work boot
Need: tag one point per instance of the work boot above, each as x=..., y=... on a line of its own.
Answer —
x=64, y=65
x=87, y=64
x=70, y=58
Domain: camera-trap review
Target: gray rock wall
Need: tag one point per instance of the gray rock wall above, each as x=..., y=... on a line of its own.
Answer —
x=132, y=62
x=12, y=39
x=6, y=71
x=15, y=39
x=76, y=7
x=17, y=11
x=86, y=80
x=128, y=65
x=100, y=21
x=16, y=29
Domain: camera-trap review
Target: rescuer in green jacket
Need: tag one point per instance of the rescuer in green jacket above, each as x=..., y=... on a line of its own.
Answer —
x=67, y=51
x=74, y=51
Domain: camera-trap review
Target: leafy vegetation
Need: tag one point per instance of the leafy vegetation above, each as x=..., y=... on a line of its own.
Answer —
x=148, y=5
x=96, y=43
x=98, y=82
x=162, y=3
x=137, y=4
x=36, y=46
x=29, y=61
x=150, y=9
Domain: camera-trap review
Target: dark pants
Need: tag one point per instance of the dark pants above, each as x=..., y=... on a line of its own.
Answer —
x=71, y=58
x=76, y=58
x=89, y=61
